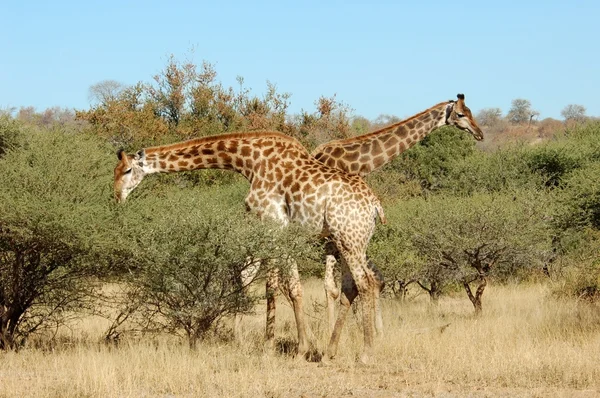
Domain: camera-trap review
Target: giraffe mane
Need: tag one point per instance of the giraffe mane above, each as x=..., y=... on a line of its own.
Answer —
x=198, y=141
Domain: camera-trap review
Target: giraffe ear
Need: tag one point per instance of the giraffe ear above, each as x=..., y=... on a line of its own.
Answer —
x=140, y=157
x=123, y=158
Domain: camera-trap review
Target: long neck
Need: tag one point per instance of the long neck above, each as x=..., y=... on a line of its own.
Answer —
x=363, y=154
x=237, y=152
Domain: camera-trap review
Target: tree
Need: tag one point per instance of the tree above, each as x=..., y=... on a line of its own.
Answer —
x=489, y=116
x=185, y=261
x=521, y=111
x=105, y=91
x=51, y=210
x=432, y=160
x=10, y=131
x=385, y=120
x=466, y=240
x=573, y=112
x=360, y=125
x=331, y=121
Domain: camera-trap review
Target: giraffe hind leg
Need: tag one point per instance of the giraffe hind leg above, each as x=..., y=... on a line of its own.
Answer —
x=349, y=293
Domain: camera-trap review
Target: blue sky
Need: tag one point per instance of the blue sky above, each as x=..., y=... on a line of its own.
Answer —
x=378, y=57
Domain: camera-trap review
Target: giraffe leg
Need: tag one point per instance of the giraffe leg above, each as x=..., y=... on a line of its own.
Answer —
x=272, y=286
x=295, y=293
x=331, y=290
x=349, y=293
x=247, y=276
x=378, y=315
x=355, y=271
x=379, y=285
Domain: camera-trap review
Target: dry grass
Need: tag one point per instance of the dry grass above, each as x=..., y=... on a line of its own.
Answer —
x=525, y=344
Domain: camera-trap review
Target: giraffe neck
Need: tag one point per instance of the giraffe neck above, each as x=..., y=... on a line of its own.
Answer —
x=237, y=152
x=361, y=155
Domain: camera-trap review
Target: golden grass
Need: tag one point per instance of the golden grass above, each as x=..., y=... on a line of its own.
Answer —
x=526, y=343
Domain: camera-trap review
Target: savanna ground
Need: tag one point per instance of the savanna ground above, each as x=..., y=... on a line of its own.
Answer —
x=526, y=344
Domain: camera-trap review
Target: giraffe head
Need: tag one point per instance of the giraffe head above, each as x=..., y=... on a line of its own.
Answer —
x=459, y=115
x=129, y=172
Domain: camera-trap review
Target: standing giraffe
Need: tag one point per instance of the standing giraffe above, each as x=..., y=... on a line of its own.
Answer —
x=286, y=184
x=363, y=154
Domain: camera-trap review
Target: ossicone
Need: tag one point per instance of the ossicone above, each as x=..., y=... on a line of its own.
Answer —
x=120, y=153
x=460, y=96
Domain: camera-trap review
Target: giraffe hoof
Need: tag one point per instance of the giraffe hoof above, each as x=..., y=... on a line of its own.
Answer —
x=325, y=361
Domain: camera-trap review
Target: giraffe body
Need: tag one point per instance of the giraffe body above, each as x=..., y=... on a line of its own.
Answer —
x=286, y=184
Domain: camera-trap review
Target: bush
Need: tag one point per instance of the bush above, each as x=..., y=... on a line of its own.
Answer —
x=580, y=269
x=9, y=134
x=553, y=163
x=501, y=171
x=53, y=205
x=432, y=159
x=466, y=239
x=186, y=251
x=580, y=199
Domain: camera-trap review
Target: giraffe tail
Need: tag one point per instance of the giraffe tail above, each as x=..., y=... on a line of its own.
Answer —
x=380, y=213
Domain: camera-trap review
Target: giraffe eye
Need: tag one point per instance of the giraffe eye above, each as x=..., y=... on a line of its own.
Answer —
x=127, y=171
x=460, y=114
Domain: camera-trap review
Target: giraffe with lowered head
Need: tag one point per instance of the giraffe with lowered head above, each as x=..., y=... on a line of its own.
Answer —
x=363, y=154
x=286, y=184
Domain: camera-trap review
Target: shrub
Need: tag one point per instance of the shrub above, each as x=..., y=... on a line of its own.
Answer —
x=184, y=254
x=432, y=160
x=53, y=204
x=466, y=239
x=9, y=134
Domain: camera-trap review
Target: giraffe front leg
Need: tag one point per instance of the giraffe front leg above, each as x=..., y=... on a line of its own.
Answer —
x=247, y=276
x=272, y=286
x=295, y=293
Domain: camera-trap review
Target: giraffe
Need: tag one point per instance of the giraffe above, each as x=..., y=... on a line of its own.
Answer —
x=363, y=154
x=289, y=185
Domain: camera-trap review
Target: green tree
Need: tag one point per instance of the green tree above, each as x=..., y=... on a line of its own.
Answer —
x=51, y=213
x=465, y=240
x=185, y=254
x=10, y=132
x=431, y=161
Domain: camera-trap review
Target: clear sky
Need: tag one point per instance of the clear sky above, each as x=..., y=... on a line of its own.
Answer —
x=378, y=57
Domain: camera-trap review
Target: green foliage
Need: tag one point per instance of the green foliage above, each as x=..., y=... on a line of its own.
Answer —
x=185, y=253
x=51, y=215
x=500, y=171
x=580, y=271
x=432, y=160
x=9, y=134
x=180, y=250
x=448, y=239
x=580, y=199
